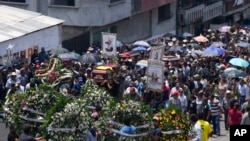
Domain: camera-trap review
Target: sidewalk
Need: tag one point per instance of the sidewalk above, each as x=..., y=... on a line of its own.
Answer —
x=224, y=133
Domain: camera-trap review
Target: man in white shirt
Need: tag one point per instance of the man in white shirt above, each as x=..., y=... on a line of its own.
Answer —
x=243, y=91
x=183, y=100
x=196, y=129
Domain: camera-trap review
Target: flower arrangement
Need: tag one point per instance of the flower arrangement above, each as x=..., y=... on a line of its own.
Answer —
x=11, y=108
x=95, y=95
x=174, y=124
x=71, y=123
x=139, y=115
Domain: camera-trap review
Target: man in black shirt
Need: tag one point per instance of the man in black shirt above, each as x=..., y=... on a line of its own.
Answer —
x=12, y=136
x=26, y=135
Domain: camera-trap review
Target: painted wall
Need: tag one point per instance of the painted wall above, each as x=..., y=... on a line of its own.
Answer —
x=48, y=38
x=135, y=28
x=164, y=26
x=92, y=12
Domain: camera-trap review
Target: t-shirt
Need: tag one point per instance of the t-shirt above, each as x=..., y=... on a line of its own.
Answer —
x=206, y=129
x=25, y=137
x=235, y=117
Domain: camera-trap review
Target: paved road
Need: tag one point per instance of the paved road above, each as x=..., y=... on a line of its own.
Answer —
x=224, y=134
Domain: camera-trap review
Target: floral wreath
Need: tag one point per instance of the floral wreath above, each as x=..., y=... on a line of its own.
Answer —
x=174, y=124
x=139, y=115
x=70, y=124
x=11, y=109
x=95, y=95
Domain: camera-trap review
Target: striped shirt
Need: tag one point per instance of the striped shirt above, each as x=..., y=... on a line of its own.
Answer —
x=215, y=107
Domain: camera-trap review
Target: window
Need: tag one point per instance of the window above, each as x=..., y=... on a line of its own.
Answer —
x=63, y=2
x=164, y=13
x=114, y=1
x=21, y=1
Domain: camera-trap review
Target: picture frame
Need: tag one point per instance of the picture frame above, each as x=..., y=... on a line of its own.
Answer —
x=109, y=44
x=155, y=74
x=156, y=53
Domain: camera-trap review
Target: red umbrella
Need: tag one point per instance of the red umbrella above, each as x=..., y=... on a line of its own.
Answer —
x=125, y=55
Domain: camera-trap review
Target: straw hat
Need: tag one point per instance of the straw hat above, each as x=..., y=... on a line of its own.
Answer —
x=185, y=40
x=174, y=39
x=90, y=49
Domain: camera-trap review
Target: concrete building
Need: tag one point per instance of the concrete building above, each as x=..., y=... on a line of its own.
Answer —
x=26, y=30
x=86, y=19
x=196, y=15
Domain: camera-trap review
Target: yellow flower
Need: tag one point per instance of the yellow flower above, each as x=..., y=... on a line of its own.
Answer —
x=173, y=112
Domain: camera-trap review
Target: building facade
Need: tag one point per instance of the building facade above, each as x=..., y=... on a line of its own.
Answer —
x=195, y=16
x=85, y=19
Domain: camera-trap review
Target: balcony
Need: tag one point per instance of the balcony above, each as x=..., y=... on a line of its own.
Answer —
x=213, y=10
x=190, y=14
x=232, y=7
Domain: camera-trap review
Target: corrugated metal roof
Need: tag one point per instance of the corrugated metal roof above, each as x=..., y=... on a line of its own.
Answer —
x=15, y=22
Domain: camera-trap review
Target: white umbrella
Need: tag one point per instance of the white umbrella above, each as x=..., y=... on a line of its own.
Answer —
x=224, y=28
x=209, y=54
x=186, y=34
x=218, y=44
x=141, y=43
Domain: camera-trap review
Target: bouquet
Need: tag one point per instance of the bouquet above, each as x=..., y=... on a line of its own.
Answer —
x=175, y=125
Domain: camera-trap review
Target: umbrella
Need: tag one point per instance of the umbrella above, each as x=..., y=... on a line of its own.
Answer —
x=201, y=39
x=141, y=43
x=125, y=55
x=198, y=52
x=209, y=54
x=69, y=56
x=218, y=44
x=90, y=58
x=233, y=73
x=239, y=62
x=186, y=34
x=119, y=43
x=243, y=44
x=175, y=49
x=139, y=48
x=224, y=28
x=214, y=49
x=142, y=63
x=57, y=51
x=193, y=45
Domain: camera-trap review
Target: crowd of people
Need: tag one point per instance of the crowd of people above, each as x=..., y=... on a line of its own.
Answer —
x=193, y=84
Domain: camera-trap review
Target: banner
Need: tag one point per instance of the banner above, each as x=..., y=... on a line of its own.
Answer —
x=156, y=53
x=155, y=73
x=109, y=44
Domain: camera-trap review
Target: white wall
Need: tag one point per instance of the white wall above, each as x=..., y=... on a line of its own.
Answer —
x=48, y=38
x=165, y=26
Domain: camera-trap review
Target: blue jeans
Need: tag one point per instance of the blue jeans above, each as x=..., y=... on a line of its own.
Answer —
x=216, y=124
x=242, y=99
